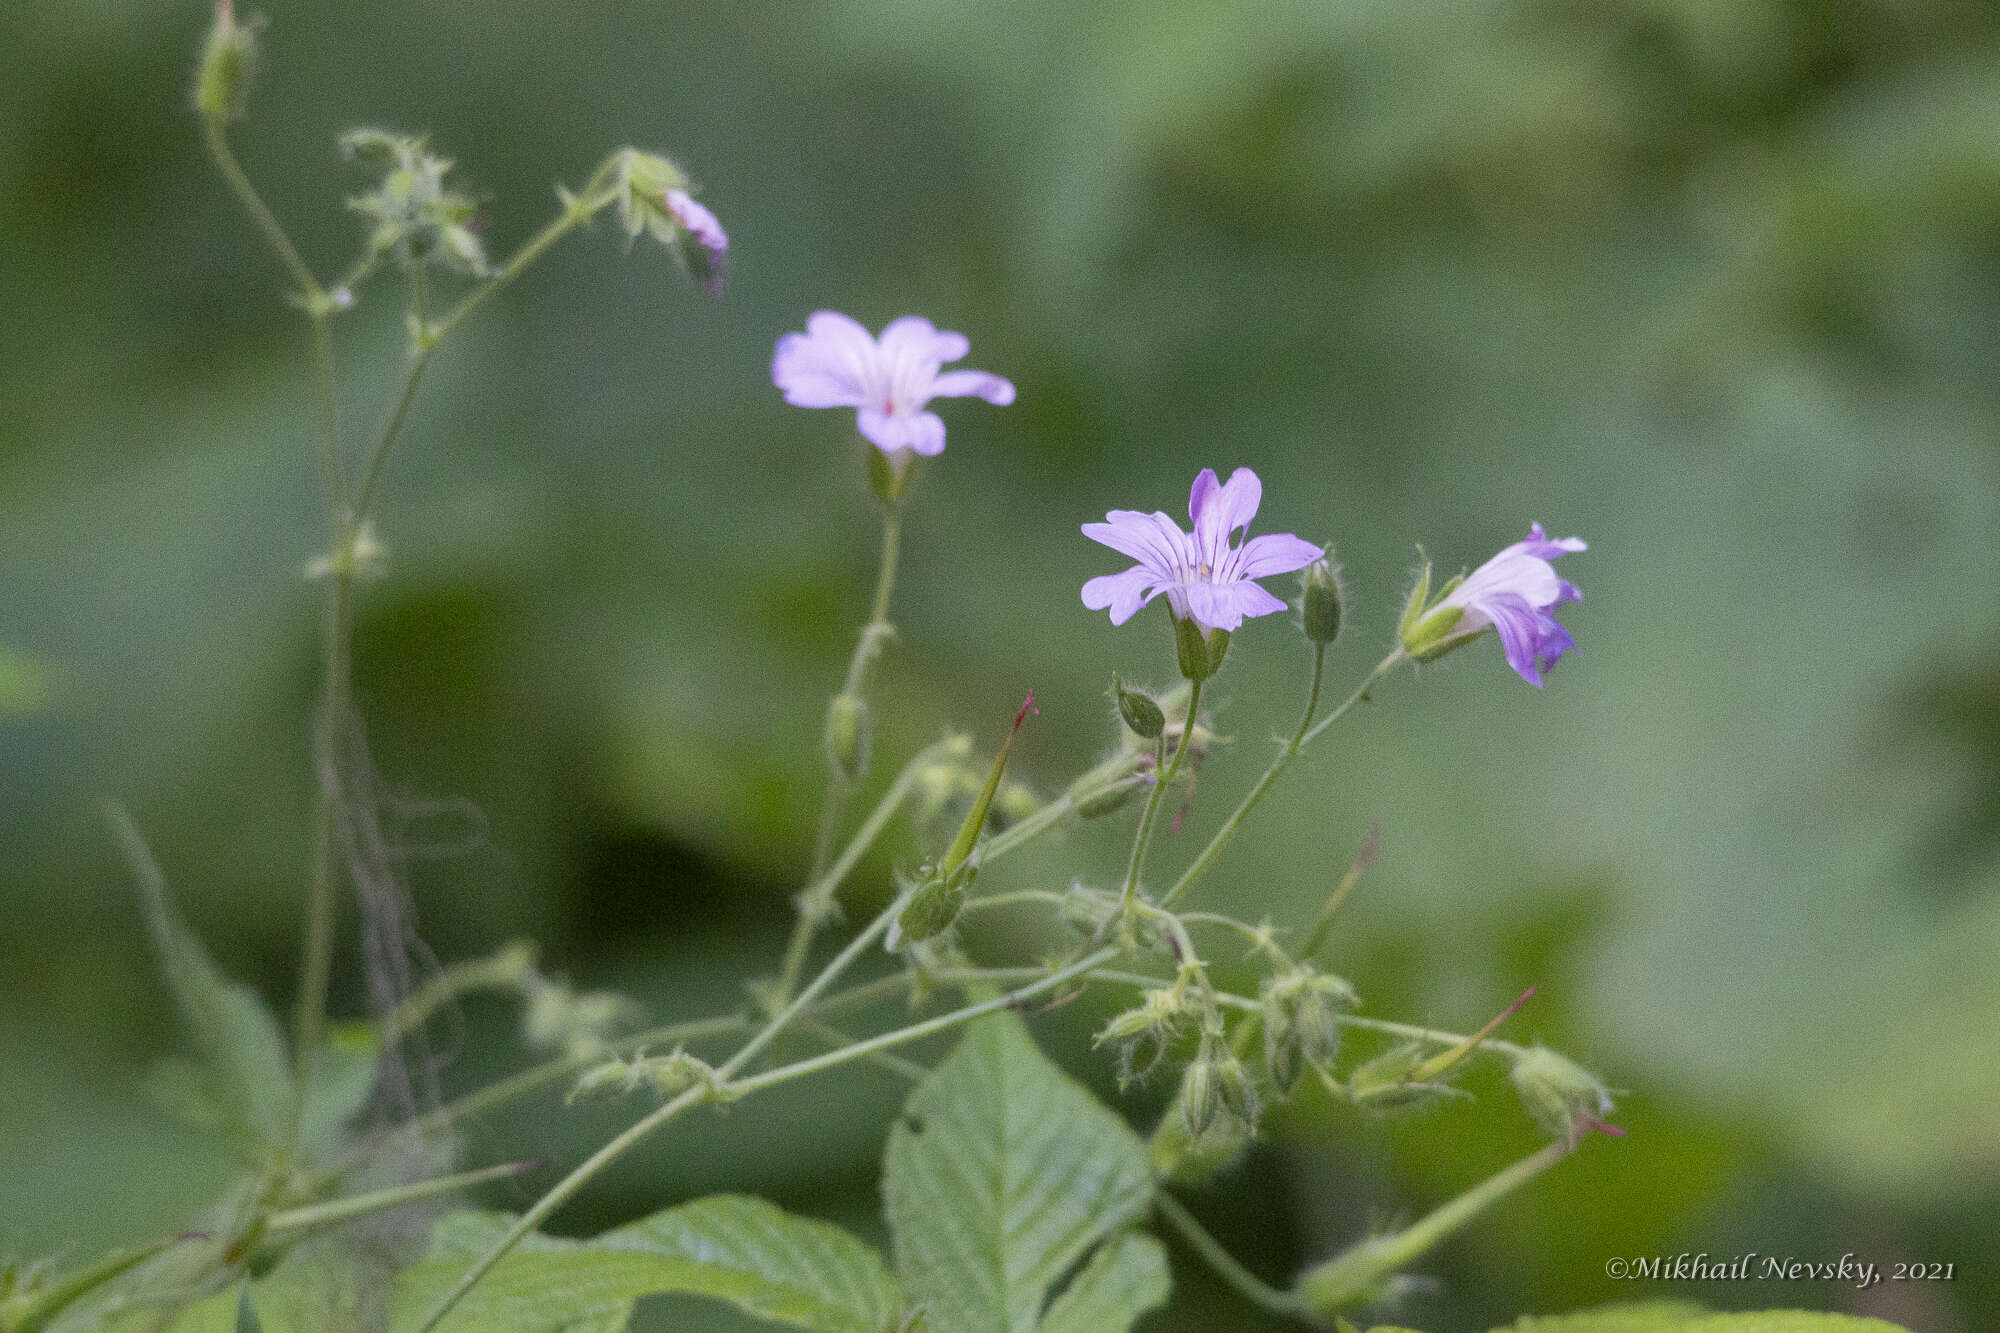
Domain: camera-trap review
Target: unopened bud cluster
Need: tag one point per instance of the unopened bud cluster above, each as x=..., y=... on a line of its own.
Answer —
x=415, y=217
x=667, y=1075
x=556, y=1017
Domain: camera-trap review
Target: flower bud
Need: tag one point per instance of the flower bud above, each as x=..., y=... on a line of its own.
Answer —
x=1140, y=711
x=1389, y=1082
x=847, y=735
x=1182, y=1159
x=1143, y=1033
x=415, y=216
x=1301, y=1022
x=228, y=59
x=1320, y=602
x=1559, y=1093
x=931, y=909
x=1200, y=1099
x=674, y=1074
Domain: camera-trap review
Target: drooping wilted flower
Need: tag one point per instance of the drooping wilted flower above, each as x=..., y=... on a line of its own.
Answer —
x=889, y=382
x=1205, y=579
x=1515, y=594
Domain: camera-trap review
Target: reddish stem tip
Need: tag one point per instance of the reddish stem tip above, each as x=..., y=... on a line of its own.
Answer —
x=1027, y=707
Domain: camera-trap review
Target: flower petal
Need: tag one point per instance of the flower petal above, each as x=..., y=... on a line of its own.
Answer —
x=1154, y=540
x=915, y=338
x=828, y=365
x=922, y=432
x=1519, y=626
x=1273, y=553
x=1123, y=594
x=973, y=384
x=1225, y=606
x=1223, y=512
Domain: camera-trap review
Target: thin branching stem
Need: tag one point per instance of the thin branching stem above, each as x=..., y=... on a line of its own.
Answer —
x=1300, y=739
x=1224, y=1264
x=1143, y=838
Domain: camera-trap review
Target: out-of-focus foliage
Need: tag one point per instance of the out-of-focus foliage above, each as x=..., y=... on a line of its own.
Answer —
x=1712, y=283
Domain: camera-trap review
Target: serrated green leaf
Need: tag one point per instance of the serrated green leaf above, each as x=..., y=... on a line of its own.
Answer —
x=243, y=1058
x=732, y=1248
x=1001, y=1176
x=1680, y=1317
x=1124, y=1279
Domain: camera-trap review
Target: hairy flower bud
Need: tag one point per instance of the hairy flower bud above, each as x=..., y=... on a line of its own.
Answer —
x=1560, y=1094
x=1139, y=711
x=1320, y=602
x=1183, y=1159
x=415, y=217
x=931, y=909
x=228, y=59
x=1301, y=1021
x=847, y=734
x=1391, y=1082
x=1143, y=1033
x=674, y=1074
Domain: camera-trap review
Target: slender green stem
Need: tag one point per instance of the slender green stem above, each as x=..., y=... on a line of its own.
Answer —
x=1014, y=899
x=330, y=743
x=333, y=469
x=815, y=901
x=1382, y=668
x=508, y=969
x=371, y=470
x=576, y=212
x=482, y=1100
x=833, y=1037
x=1143, y=838
x=559, y=1194
x=915, y=1031
x=827, y=976
x=867, y=647
x=813, y=911
x=1300, y=739
x=361, y=1205
x=260, y=212
x=1415, y=1033
x=1356, y=1276
x=1107, y=777
x=1224, y=1264
x=727, y=1088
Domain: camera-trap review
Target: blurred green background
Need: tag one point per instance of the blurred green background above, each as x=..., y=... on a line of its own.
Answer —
x=1712, y=283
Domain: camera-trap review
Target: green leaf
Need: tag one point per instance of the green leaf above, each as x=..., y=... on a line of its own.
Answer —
x=248, y=1074
x=1001, y=1176
x=1680, y=1317
x=731, y=1248
x=1124, y=1279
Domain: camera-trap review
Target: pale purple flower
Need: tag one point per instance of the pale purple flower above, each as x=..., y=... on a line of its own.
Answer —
x=1205, y=578
x=703, y=241
x=1515, y=592
x=835, y=363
